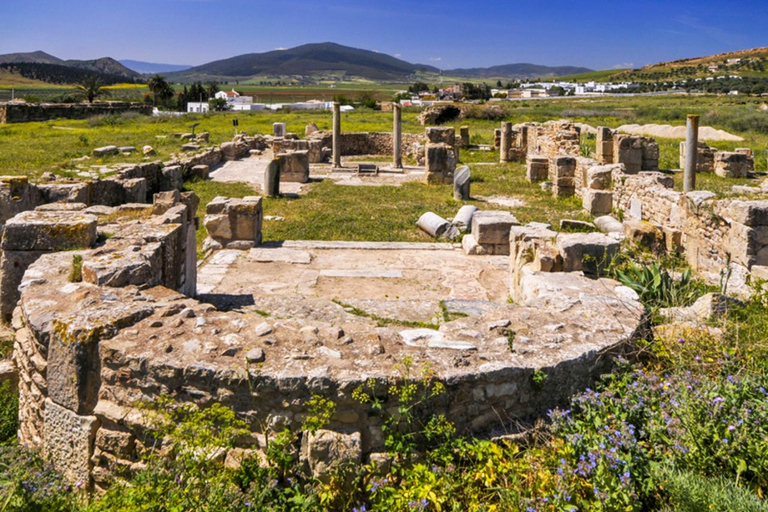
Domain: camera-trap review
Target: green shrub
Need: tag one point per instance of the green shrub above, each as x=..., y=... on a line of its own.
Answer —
x=9, y=413
x=657, y=288
x=686, y=491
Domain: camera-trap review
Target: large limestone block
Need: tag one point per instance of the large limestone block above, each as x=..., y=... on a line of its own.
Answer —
x=17, y=195
x=13, y=264
x=327, y=450
x=536, y=168
x=732, y=164
x=599, y=177
x=68, y=442
x=440, y=163
x=749, y=213
x=492, y=227
x=172, y=178
x=294, y=166
x=598, y=202
x=586, y=251
x=49, y=231
x=441, y=134
x=74, y=363
x=65, y=192
x=119, y=269
x=234, y=221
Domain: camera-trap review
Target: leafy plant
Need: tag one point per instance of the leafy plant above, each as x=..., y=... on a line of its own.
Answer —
x=657, y=288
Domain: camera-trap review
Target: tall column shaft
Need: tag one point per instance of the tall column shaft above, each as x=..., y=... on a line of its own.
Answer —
x=691, y=152
x=397, y=138
x=336, y=135
x=506, y=141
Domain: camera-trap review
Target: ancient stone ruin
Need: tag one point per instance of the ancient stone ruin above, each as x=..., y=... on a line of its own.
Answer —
x=111, y=307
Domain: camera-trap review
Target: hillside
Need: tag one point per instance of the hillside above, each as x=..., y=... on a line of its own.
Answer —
x=36, y=57
x=522, y=70
x=39, y=61
x=9, y=79
x=309, y=59
x=752, y=63
x=60, y=74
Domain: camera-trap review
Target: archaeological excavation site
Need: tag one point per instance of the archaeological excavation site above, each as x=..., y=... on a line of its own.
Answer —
x=123, y=288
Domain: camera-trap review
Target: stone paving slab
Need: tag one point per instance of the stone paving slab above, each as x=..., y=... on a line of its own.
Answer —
x=382, y=273
x=279, y=255
x=372, y=246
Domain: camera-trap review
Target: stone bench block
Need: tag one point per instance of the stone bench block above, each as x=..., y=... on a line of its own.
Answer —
x=492, y=227
x=586, y=251
x=49, y=231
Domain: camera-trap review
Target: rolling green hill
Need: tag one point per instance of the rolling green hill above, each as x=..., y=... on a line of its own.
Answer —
x=751, y=63
x=309, y=59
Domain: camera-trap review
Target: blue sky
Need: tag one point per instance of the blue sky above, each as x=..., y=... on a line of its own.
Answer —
x=448, y=34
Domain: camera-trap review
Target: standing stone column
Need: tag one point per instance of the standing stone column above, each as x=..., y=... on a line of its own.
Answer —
x=397, y=138
x=691, y=152
x=336, y=134
x=506, y=141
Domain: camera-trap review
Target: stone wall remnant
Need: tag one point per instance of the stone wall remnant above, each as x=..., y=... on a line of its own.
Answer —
x=233, y=223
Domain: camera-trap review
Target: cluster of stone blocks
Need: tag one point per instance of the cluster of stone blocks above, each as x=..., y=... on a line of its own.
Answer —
x=726, y=164
x=441, y=155
x=635, y=152
x=489, y=233
x=233, y=223
x=537, y=248
x=597, y=195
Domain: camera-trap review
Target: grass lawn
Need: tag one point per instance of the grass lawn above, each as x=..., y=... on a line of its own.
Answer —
x=335, y=212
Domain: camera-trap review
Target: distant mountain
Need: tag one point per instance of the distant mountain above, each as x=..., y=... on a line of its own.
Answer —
x=148, y=68
x=61, y=75
x=37, y=57
x=309, y=59
x=522, y=70
x=104, y=65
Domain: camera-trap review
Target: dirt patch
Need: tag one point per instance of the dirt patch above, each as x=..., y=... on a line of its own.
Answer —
x=666, y=131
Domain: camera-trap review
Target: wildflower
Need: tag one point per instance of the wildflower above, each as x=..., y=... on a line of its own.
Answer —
x=79, y=484
x=681, y=340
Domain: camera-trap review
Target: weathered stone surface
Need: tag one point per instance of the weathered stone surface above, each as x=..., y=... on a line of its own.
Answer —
x=586, y=251
x=49, y=231
x=463, y=219
x=326, y=450
x=576, y=225
x=69, y=441
x=105, y=151
x=644, y=234
x=749, y=213
x=440, y=163
x=608, y=224
x=492, y=227
x=272, y=179
x=537, y=168
x=436, y=226
x=234, y=220
x=8, y=373
x=706, y=307
x=599, y=177
x=294, y=166
x=597, y=202
x=461, y=184
x=732, y=165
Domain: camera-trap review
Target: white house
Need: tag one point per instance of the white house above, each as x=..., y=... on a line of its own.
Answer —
x=198, y=106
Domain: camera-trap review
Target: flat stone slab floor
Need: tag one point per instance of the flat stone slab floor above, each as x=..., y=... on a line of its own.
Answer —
x=403, y=281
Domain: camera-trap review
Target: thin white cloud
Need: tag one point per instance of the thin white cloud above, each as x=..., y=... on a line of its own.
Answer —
x=398, y=55
x=435, y=59
x=624, y=65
